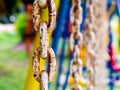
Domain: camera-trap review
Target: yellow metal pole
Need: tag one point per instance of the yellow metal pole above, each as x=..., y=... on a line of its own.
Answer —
x=31, y=83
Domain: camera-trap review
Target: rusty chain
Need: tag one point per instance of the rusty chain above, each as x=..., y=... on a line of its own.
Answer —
x=76, y=62
x=44, y=50
x=93, y=40
x=89, y=42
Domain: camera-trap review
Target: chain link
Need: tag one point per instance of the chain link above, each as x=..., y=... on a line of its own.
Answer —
x=89, y=42
x=44, y=50
x=93, y=40
x=42, y=4
x=76, y=43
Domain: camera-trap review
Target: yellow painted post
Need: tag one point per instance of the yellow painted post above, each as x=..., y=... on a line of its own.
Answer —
x=31, y=83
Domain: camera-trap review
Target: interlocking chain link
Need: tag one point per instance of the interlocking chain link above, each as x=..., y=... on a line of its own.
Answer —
x=76, y=43
x=42, y=4
x=44, y=50
x=89, y=42
x=93, y=40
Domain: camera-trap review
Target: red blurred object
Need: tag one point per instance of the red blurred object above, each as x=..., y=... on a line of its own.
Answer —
x=29, y=32
x=113, y=62
x=70, y=28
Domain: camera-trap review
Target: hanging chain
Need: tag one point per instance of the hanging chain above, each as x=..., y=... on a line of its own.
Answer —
x=76, y=43
x=89, y=42
x=94, y=40
x=44, y=50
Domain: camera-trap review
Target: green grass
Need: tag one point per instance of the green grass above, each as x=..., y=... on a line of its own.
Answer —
x=12, y=77
x=7, y=40
x=13, y=64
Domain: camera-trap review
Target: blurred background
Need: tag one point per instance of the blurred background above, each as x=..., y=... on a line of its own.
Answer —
x=17, y=39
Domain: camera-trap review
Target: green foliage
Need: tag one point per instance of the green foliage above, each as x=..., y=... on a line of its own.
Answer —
x=13, y=64
x=12, y=76
x=8, y=42
x=20, y=24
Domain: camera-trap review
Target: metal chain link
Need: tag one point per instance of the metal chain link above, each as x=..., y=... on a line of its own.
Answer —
x=89, y=42
x=44, y=50
x=93, y=39
x=76, y=62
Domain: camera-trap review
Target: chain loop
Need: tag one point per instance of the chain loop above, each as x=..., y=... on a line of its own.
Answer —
x=44, y=50
x=76, y=43
x=51, y=64
x=73, y=38
x=89, y=42
x=76, y=15
x=43, y=39
x=43, y=80
x=36, y=15
x=42, y=4
x=89, y=38
x=93, y=41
